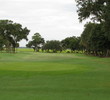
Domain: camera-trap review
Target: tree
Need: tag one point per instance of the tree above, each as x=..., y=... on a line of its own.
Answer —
x=99, y=12
x=1, y=43
x=12, y=33
x=36, y=43
x=72, y=43
x=99, y=9
x=85, y=36
x=94, y=40
x=18, y=33
x=53, y=45
x=29, y=45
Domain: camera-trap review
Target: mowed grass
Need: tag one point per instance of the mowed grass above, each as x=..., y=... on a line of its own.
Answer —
x=27, y=75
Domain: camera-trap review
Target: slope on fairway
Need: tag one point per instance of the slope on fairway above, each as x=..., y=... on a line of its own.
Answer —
x=44, y=76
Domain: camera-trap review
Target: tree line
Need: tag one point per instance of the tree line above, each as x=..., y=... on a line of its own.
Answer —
x=95, y=38
x=71, y=43
x=96, y=35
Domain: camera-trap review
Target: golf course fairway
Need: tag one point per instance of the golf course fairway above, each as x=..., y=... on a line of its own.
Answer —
x=53, y=76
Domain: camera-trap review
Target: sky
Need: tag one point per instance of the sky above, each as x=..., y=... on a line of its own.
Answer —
x=53, y=19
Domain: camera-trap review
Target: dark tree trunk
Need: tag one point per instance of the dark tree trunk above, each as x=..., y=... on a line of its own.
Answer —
x=108, y=53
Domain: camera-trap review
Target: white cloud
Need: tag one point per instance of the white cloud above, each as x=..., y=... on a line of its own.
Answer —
x=53, y=19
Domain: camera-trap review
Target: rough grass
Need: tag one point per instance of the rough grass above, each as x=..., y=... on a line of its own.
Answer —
x=49, y=76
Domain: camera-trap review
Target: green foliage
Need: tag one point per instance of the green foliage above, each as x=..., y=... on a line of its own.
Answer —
x=94, y=40
x=53, y=45
x=36, y=43
x=12, y=33
x=1, y=43
x=99, y=9
x=72, y=43
x=95, y=37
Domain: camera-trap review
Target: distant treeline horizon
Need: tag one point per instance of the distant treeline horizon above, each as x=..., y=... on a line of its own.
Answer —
x=95, y=38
